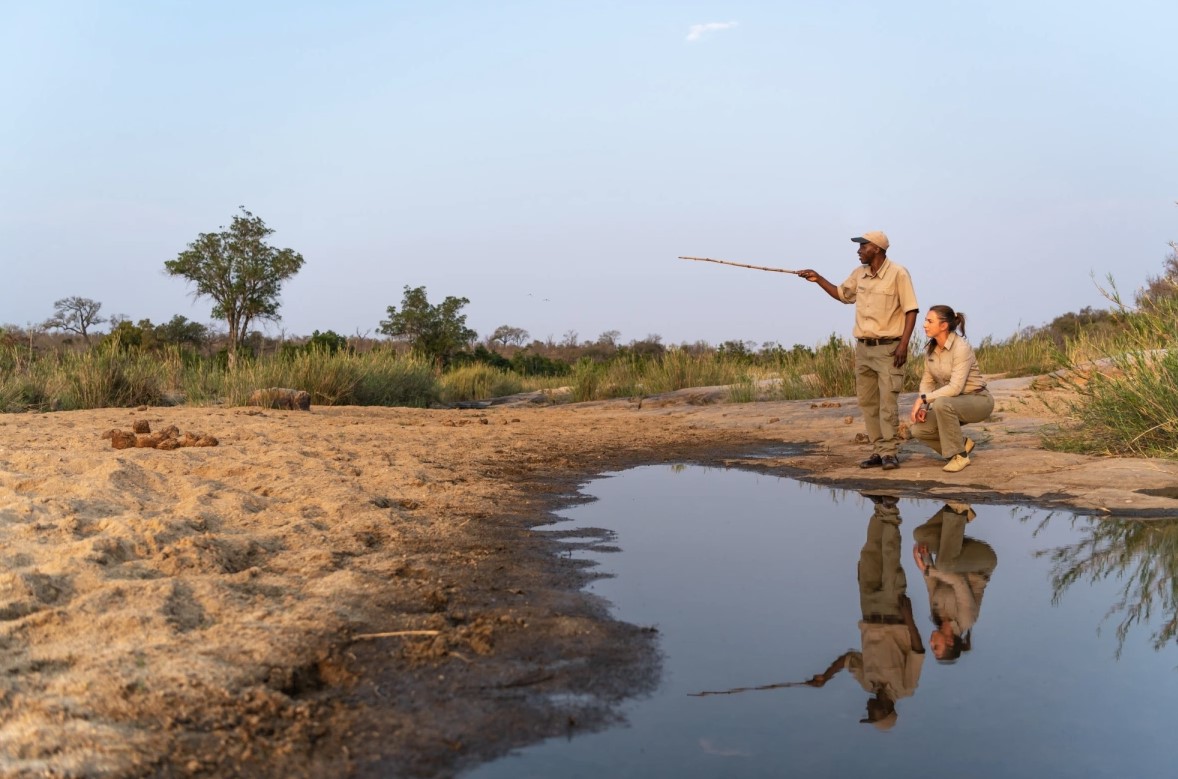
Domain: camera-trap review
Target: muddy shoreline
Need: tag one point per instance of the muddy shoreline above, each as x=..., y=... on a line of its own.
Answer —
x=370, y=592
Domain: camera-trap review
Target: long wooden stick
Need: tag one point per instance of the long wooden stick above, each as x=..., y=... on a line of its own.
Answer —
x=739, y=264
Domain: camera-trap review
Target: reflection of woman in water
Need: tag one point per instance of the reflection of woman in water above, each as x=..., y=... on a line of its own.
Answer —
x=956, y=575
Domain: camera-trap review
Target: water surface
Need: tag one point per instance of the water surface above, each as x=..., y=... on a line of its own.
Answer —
x=755, y=581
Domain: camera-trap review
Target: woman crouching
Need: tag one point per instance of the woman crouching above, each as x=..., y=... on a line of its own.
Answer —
x=952, y=387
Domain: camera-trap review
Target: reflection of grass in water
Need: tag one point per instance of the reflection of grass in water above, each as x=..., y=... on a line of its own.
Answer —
x=1143, y=554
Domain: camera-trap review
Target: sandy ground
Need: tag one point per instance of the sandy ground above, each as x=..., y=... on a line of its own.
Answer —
x=363, y=591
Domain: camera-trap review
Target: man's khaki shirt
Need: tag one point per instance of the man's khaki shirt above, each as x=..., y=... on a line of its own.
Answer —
x=888, y=662
x=952, y=370
x=880, y=299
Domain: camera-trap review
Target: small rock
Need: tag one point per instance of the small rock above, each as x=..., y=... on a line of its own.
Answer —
x=141, y=426
x=848, y=420
x=121, y=439
x=281, y=397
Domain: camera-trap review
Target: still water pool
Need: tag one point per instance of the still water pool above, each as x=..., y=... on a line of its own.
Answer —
x=1065, y=627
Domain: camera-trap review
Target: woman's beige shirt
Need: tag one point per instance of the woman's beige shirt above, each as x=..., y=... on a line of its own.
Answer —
x=951, y=370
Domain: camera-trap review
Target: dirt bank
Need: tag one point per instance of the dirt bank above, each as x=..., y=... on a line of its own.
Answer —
x=361, y=590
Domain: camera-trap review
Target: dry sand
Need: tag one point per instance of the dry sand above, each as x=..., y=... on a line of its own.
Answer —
x=211, y=611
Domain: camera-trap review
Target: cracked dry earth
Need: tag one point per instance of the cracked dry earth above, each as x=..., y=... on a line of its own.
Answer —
x=369, y=591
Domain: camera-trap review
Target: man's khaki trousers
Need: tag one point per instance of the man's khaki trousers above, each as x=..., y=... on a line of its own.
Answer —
x=877, y=385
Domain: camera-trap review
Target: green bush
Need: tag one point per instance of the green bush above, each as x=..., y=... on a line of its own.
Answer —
x=530, y=364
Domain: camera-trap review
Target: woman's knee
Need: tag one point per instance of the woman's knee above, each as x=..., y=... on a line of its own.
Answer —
x=923, y=430
x=944, y=408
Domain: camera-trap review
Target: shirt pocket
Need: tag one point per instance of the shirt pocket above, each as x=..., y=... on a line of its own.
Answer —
x=880, y=300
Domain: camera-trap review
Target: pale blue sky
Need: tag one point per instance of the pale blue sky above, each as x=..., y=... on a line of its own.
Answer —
x=549, y=160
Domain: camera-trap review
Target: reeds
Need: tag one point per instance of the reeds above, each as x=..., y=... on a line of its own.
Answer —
x=1019, y=356
x=478, y=382
x=1127, y=406
x=111, y=377
x=1126, y=386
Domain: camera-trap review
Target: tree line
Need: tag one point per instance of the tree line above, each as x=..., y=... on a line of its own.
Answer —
x=242, y=274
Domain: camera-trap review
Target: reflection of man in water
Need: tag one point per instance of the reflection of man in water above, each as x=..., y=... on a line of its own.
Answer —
x=888, y=667
x=956, y=575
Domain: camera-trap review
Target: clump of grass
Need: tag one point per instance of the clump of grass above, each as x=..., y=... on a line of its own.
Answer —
x=100, y=378
x=478, y=382
x=1133, y=411
x=1019, y=356
x=638, y=376
x=1128, y=405
x=743, y=391
x=377, y=378
x=388, y=380
x=832, y=371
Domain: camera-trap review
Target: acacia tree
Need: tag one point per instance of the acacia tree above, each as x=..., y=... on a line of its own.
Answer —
x=506, y=334
x=433, y=332
x=76, y=315
x=241, y=273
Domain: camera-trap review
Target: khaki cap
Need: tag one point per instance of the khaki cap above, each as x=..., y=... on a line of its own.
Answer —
x=876, y=237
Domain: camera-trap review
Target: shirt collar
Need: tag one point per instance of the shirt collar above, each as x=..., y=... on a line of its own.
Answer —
x=952, y=339
x=867, y=274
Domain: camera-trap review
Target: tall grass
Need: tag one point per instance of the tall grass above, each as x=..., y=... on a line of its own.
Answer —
x=478, y=382
x=74, y=380
x=1018, y=356
x=1127, y=403
x=110, y=377
x=634, y=376
x=376, y=378
x=1132, y=409
x=829, y=372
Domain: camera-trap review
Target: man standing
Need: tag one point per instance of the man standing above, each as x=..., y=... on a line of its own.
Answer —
x=885, y=315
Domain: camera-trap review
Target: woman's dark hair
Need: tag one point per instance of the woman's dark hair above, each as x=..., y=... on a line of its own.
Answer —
x=960, y=643
x=956, y=321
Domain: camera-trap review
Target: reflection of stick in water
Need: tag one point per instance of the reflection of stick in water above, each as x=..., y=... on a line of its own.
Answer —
x=734, y=690
x=817, y=680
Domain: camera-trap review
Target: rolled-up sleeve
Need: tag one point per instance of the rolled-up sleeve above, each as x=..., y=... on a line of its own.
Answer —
x=849, y=289
x=906, y=292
